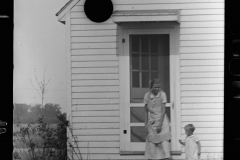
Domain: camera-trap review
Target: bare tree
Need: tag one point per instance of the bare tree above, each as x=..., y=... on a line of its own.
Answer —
x=41, y=89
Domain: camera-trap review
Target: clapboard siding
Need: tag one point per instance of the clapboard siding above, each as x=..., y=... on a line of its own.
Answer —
x=94, y=33
x=202, y=62
x=202, y=81
x=202, y=93
x=85, y=52
x=95, y=70
x=201, y=31
x=208, y=24
x=201, y=99
x=95, y=107
x=95, y=82
x=95, y=95
x=202, y=56
x=94, y=39
x=96, y=125
x=84, y=89
x=202, y=105
x=94, y=101
x=94, y=45
x=95, y=75
x=95, y=64
x=96, y=119
x=95, y=113
x=202, y=69
x=202, y=112
x=212, y=87
x=203, y=75
x=202, y=37
x=98, y=144
x=89, y=132
x=94, y=58
x=204, y=118
x=203, y=49
x=95, y=27
x=99, y=138
x=202, y=43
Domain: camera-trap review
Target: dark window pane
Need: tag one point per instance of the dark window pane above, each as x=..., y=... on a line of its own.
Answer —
x=135, y=43
x=164, y=45
x=145, y=44
x=145, y=79
x=137, y=114
x=154, y=62
x=154, y=75
x=138, y=134
x=154, y=45
x=135, y=61
x=135, y=79
x=145, y=61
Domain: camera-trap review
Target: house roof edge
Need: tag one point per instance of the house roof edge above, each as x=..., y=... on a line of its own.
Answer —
x=62, y=12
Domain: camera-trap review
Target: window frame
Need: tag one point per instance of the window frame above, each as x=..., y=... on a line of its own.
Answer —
x=124, y=80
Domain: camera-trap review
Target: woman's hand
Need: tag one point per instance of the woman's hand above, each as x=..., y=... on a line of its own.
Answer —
x=159, y=128
x=146, y=128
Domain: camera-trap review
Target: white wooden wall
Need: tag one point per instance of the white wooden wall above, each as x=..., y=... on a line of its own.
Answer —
x=95, y=79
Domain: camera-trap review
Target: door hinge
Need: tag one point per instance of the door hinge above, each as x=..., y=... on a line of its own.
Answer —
x=123, y=40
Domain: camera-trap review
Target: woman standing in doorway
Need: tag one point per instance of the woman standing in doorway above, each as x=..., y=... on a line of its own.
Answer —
x=156, y=123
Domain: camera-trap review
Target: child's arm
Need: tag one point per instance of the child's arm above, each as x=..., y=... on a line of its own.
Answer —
x=181, y=142
x=199, y=147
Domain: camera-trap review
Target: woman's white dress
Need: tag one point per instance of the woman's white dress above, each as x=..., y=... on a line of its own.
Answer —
x=157, y=145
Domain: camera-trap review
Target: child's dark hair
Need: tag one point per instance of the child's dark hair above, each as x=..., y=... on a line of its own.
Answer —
x=154, y=81
x=190, y=127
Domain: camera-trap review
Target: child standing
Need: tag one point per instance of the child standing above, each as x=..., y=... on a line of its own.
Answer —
x=191, y=143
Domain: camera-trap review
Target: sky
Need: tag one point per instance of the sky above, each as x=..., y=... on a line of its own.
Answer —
x=39, y=43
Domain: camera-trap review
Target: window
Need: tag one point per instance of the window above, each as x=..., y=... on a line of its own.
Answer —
x=146, y=54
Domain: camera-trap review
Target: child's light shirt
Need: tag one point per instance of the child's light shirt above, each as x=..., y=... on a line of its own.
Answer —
x=191, y=147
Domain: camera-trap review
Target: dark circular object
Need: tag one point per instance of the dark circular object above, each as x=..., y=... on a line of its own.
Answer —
x=98, y=10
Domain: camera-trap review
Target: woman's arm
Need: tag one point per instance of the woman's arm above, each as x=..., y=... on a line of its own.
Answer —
x=159, y=128
x=146, y=115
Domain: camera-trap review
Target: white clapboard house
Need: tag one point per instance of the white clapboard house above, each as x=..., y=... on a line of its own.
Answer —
x=110, y=64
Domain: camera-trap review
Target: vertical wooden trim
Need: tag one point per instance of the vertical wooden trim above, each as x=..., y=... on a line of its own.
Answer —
x=121, y=89
x=68, y=47
x=68, y=52
x=172, y=89
x=177, y=88
x=127, y=87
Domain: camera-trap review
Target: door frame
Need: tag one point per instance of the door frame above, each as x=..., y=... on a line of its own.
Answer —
x=124, y=73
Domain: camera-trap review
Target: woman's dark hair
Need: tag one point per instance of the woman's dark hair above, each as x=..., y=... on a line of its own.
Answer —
x=154, y=81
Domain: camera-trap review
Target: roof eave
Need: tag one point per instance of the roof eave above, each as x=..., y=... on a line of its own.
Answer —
x=65, y=9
